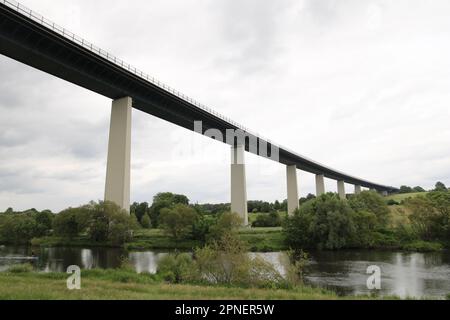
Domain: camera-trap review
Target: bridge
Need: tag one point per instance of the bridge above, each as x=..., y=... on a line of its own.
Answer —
x=29, y=38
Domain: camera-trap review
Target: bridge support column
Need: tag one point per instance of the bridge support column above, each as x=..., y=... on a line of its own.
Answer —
x=358, y=189
x=320, y=184
x=341, y=190
x=292, y=189
x=384, y=193
x=238, y=184
x=117, y=188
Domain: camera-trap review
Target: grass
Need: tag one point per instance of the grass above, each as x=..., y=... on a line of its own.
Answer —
x=402, y=196
x=127, y=285
x=156, y=239
x=263, y=239
x=259, y=240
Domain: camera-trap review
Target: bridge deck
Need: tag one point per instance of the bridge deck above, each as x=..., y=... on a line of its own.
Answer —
x=37, y=42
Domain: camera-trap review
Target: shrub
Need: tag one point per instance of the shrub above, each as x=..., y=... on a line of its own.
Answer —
x=145, y=222
x=109, y=223
x=21, y=268
x=267, y=220
x=70, y=222
x=392, y=202
x=325, y=222
x=430, y=216
x=370, y=201
x=227, y=222
x=226, y=261
x=178, y=221
x=19, y=228
x=176, y=268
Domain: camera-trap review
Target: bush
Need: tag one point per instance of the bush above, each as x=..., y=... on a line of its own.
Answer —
x=176, y=268
x=165, y=200
x=392, y=202
x=201, y=228
x=267, y=220
x=226, y=261
x=430, y=216
x=70, y=222
x=227, y=222
x=178, y=221
x=423, y=246
x=109, y=223
x=370, y=201
x=325, y=222
x=145, y=222
x=19, y=228
x=21, y=268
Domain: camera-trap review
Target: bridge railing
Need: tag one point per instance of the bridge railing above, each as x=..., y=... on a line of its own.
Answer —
x=119, y=62
x=110, y=57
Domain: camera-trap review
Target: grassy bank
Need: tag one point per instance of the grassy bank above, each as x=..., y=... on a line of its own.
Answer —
x=403, y=196
x=258, y=240
x=127, y=285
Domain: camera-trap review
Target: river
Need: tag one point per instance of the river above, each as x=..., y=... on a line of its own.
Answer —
x=403, y=274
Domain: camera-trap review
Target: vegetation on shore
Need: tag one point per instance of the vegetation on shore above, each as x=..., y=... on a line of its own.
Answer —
x=416, y=221
x=366, y=221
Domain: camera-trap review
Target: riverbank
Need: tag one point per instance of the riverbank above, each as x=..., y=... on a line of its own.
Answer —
x=122, y=284
x=258, y=240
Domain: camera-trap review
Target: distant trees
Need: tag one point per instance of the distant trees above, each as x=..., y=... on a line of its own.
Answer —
x=419, y=189
x=405, y=189
x=310, y=196
x=440, y=187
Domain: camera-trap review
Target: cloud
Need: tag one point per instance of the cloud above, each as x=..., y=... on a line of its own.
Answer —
x=361, y=86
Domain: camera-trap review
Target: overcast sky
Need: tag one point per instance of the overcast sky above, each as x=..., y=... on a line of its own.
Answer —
x=361, y=86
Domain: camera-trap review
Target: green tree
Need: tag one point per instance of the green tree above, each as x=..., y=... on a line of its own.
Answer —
x=140, y=210
x=440, y=187
x=109, y=223
x=165, y=200
x=369, y=201
x=178, y=221
x=146, y=223
x=405, y=189
x=72, y=221
x=418, y=189
x=226, y=223
x=18, y=229
x=272, y=219
x=325, y=222
x=45, y=218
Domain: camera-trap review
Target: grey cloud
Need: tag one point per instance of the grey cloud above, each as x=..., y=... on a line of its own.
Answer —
x=371, y=102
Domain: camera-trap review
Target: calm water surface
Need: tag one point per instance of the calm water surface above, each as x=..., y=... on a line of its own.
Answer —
x=403, y=274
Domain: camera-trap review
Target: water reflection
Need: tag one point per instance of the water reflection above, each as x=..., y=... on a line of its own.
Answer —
x=403, y=274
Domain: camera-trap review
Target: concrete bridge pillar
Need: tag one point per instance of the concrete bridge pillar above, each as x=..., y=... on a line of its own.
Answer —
x=320, y=184
x=292, y=189
x=119, y=152
x=341, y=190
x=238, y=183
x=358, y=189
